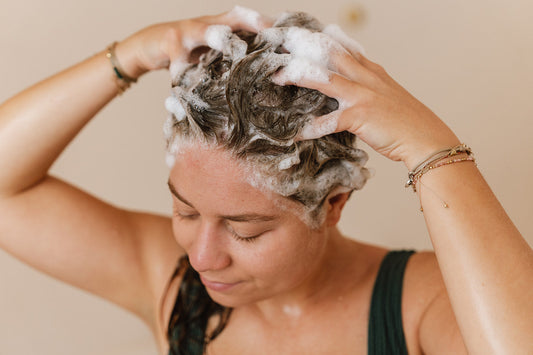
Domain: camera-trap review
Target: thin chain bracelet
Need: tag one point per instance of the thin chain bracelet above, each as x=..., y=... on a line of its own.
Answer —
x=423, y=167
x=437, y=165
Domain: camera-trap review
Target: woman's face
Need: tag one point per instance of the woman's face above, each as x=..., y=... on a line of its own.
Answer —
x=246, y=245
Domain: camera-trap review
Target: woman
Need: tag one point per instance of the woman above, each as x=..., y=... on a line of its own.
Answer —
x=299, y=279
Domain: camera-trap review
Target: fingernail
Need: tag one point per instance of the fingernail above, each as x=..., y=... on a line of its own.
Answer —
x=279, y=78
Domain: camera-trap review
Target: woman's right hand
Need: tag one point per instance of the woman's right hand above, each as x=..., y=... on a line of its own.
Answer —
x=376, y=108
x=156, y=46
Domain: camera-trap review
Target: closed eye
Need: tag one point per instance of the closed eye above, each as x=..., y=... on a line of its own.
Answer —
x=245, y=239
x=186, y=216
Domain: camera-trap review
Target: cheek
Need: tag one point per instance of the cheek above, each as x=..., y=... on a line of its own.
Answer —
x=285, y=258
x=184, y=233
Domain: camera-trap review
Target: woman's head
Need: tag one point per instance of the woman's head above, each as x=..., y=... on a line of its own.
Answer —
x=228, y=101
x=233, y=232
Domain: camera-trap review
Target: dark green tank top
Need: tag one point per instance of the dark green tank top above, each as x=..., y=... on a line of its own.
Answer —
x=385, y=328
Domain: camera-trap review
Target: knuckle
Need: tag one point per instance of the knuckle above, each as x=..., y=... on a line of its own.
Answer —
x=172, y=35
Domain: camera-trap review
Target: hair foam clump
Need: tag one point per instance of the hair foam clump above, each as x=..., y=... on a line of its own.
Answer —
x=228, y=100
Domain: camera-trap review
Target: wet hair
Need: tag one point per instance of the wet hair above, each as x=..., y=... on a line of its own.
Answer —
x=228, y=100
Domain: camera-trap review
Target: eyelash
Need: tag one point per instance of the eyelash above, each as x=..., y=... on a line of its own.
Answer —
x=181, y=216
x=233, y=234
x=245, y=239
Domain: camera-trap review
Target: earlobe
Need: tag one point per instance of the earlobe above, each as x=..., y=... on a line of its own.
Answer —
x=335, y=204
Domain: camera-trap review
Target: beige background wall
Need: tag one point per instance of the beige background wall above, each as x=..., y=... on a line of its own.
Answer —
x=470, y=61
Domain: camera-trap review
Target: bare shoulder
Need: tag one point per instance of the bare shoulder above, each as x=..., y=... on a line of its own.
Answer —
x=429, y=322
x=124, y=256
x=161, y=256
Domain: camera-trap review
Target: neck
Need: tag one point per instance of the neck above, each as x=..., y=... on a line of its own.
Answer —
x=323, y=284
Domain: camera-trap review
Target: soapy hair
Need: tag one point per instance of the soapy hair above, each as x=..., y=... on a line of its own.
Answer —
x=228, y=100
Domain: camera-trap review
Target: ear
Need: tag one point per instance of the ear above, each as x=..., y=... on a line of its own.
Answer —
x=334, y=205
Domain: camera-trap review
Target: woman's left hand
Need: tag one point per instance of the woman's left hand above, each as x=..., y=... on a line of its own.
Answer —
x=156, y=46
x=378, y=110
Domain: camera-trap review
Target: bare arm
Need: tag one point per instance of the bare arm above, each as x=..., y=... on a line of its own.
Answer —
x=123, y=256
x=55, y=227
x=486, y=264
x=49, y=115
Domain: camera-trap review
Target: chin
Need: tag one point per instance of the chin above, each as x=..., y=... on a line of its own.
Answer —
x=232, y=300
x=227, y=301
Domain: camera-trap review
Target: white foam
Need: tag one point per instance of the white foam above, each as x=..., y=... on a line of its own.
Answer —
x=221, y=38
x=170, y=158
x=168, y=125
x=299, y=68
x=248, y=16
x=181, y=144
x=256, y=134
x=177, y=67
x=310, y=54
x=273, y=62
x=274, y=35
x=218, y=36
x=308, y=58
x=335, y=32
x=357, y=176
x=314, y=46
x=289, y=162
x=175, y=107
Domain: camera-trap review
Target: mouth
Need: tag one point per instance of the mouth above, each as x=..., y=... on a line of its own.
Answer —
x=218, y=286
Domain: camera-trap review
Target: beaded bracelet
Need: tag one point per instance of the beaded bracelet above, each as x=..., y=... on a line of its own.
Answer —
x=123, y=81
x=437, y=160
x=439, y=163
x=424, y=167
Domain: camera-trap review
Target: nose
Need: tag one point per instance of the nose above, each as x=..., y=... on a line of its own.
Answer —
x=207, y=252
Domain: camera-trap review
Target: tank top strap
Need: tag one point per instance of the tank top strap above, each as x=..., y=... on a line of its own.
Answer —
x=385, y=328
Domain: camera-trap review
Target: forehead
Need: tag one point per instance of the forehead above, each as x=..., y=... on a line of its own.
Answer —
x=214, y=181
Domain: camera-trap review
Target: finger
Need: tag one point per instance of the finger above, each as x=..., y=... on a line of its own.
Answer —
x=320, y=126
x=343, y=62
x=242, y=18
x=370, y=65
x=343, y=119
x=336, y=86
x=193, y=35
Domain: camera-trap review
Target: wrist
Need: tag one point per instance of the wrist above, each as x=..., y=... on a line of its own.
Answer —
x=422, y=151
x=126, y=55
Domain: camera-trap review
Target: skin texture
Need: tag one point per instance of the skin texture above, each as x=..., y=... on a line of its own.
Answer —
x=215, y=186
x=243, y=111
x=476, y=287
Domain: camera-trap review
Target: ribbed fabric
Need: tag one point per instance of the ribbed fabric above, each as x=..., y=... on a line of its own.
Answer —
x=385, y=328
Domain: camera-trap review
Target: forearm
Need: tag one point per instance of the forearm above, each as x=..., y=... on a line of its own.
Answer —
x=37, y=124
x=486, y=264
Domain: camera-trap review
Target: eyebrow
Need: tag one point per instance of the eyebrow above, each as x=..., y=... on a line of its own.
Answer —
x=246, y=217
x=178, y=196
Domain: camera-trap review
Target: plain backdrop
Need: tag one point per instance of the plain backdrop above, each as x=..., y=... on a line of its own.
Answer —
x=469, y=61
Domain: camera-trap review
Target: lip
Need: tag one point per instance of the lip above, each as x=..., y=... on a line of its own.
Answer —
x=218, y=286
